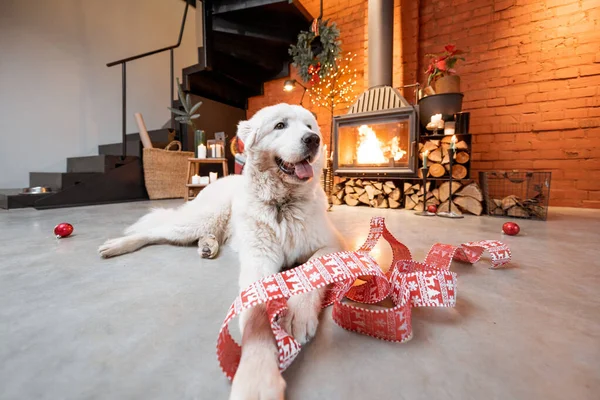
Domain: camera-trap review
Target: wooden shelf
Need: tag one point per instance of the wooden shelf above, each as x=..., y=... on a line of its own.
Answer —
x=192, y=185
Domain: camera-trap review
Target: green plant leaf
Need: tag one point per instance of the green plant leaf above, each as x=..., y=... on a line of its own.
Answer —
x=181, y=96
x=188, y=103
x=194, y=116
x=195, y=108
x=177, y=111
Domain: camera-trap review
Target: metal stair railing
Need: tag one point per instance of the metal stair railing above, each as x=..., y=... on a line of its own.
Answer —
x=123, y=64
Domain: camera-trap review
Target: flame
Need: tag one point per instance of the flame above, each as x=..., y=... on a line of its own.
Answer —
x=371, y=150
x=369, y=147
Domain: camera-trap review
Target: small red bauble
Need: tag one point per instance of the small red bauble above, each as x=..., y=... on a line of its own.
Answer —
x=432, y=208
x=511, y=228
x=63, y=230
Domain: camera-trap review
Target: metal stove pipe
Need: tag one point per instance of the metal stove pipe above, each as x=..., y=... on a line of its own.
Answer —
x=381, y=38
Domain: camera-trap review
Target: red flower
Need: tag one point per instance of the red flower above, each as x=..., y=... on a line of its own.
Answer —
x=450, y=48
x=441, y=65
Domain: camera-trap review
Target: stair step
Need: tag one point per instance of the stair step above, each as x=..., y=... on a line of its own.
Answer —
x=59, y=180
x=12, y=198
x=101, y=163
x=159, y=137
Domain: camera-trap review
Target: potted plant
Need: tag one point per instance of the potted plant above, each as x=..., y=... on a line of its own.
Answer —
x=441, y=72
x=187, y=116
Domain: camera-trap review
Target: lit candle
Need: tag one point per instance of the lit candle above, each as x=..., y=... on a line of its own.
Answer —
x=213, y=176
x=201, y=151
x=425, y=158
x=453, y=142
x=196, y=179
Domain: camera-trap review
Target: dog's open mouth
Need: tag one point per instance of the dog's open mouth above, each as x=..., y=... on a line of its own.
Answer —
x=302, y=170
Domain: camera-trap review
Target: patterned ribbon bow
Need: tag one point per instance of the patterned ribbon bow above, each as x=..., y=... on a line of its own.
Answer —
x=408, y=283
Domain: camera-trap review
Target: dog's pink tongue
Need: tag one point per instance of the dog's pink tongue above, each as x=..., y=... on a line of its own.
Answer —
x=304, y=170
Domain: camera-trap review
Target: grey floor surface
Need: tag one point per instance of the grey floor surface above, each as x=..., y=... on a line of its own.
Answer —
x=144, y=325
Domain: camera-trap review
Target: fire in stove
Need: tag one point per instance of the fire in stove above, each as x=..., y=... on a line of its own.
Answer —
x=371, y=150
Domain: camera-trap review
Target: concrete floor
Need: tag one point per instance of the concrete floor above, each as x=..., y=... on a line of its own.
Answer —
x=144, y=325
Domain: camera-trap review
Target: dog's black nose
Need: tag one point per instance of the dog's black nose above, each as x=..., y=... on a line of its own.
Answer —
x=311, y=140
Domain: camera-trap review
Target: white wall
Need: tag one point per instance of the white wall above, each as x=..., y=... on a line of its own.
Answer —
x=57, y=97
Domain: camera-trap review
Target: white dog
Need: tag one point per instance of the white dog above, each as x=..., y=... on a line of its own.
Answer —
x=276, y=215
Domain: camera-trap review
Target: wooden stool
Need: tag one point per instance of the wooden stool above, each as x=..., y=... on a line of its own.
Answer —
x=194, y=169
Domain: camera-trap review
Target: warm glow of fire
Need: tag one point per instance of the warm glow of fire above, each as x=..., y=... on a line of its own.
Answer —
x=371, y=150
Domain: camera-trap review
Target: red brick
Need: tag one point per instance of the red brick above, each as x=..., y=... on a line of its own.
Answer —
x=554, y=125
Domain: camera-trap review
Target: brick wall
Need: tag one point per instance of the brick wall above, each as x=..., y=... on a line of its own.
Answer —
x=531, y=80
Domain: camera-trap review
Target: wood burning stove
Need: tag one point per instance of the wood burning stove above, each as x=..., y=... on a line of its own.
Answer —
x=379, y=135
x=376, y=144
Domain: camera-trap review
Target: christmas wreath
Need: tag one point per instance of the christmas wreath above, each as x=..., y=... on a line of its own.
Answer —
x=316, y=51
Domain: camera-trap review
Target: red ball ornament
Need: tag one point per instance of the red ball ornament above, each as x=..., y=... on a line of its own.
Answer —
x=63, y=230
x=511, y=228
x=432, y=208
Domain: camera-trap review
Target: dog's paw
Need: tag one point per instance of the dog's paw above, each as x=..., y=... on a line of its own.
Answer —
x=302, y=318
x=258, y=378
x=208, y=246
x=113, y=247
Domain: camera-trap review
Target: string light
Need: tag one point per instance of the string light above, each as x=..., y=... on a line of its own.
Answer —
x=336, y=88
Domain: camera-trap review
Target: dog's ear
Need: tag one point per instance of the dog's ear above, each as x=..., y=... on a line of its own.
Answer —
x=247, y=133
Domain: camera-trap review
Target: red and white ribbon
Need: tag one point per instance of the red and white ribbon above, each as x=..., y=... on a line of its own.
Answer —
x=408, y=283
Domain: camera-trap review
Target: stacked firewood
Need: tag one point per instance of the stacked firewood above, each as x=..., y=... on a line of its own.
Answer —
x=514, y=206
x=467, y=198
x=354, y=192
x=438, y=158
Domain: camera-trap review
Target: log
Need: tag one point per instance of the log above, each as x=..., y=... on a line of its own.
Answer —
x=370, y=191
x=435, y=156
x=469, y=204
x=393, y=203
x=445, y=207
x=462, y=157
x=407, y=187
x=349, y=189
x=517, y=211
x=459, y=171
x=340, y=194
x=420, y=190
x=387, y=189
x=415, y=197
x=436, y=193
x=381, y=202
x=395, y=194
x=433, y=201
x=419, y=206
x=437, y=170
x=351, y=199
x=390, y=184
x=508, y=202
x=378, y=185
x=445, y=156
x=462, y=145
x=447, y=139
x=359, y=190
x=358, y=182
x=445, y=190
x=364, y=198
x=471, y=190
x=408, y=203
x=336, y=201
x=429, y=146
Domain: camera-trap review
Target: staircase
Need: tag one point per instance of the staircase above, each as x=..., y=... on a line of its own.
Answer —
x=245, y=43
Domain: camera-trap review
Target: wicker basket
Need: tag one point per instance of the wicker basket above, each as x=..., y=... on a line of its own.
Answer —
x=165, y=172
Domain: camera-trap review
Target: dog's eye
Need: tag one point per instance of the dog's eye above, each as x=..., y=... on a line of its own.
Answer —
x=309, y=126
x=280, y=125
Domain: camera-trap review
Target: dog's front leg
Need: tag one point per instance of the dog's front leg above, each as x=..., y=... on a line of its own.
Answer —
x=258, y=376
x=302, y=318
